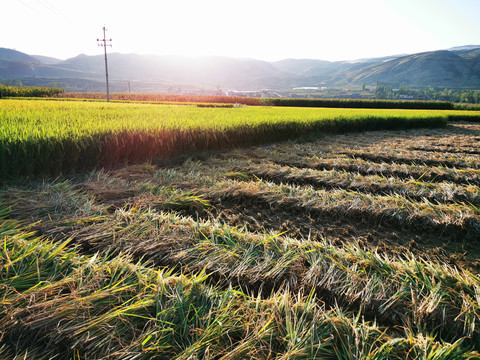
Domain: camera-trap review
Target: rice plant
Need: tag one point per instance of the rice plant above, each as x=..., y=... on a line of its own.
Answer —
x=96, y=307
x=235, y=255
x=54, y=137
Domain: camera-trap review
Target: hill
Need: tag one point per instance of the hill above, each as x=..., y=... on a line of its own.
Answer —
x=46, y=59
x=438, y=68
x=223, y=71
x=454, y=68
x=14, y=55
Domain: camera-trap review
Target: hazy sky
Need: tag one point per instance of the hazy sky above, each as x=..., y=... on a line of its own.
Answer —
x=262, y=29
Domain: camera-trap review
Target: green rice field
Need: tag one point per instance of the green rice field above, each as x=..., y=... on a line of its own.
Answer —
x=54, y=137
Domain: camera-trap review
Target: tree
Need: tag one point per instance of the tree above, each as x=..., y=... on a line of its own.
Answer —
x=384, y=92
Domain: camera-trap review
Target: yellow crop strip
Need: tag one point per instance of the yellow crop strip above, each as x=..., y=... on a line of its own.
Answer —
x=25, y=118
x=34, y=132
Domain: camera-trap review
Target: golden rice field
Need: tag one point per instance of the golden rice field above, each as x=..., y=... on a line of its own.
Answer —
x=351, y=245
x=60, y=137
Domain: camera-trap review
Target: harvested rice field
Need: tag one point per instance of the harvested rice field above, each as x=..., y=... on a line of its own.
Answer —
x=350, y=246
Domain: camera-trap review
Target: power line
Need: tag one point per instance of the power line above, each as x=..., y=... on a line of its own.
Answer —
x=51, y=8
x=103, y=42
x=28, y=6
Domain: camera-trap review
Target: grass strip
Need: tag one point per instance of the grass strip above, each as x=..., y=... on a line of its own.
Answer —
x=373, y=184
x=397, y=210
x=433, y=174
x=349, y=103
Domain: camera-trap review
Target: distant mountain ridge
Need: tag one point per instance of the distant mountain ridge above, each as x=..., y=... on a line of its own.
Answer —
x=453, y=68
x=14, y=55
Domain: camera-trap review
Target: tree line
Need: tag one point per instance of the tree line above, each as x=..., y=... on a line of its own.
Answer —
x=428, y=93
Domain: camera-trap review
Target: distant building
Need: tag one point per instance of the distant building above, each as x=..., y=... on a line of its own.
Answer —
x=253, y=93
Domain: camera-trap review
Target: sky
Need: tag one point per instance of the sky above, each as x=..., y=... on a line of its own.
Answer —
x=262, y=29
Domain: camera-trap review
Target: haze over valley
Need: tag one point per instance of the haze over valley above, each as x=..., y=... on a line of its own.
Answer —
x=455, y=68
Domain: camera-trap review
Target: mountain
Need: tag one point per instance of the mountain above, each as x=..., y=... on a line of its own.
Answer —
x=464, y=47
x=14, y=55
x=437, y=68
x=458, y=67
x=211, y=70
x=308, y=67
x=311, y=67
x=46, y=59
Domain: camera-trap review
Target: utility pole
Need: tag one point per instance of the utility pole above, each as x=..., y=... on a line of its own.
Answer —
x=103, y=42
